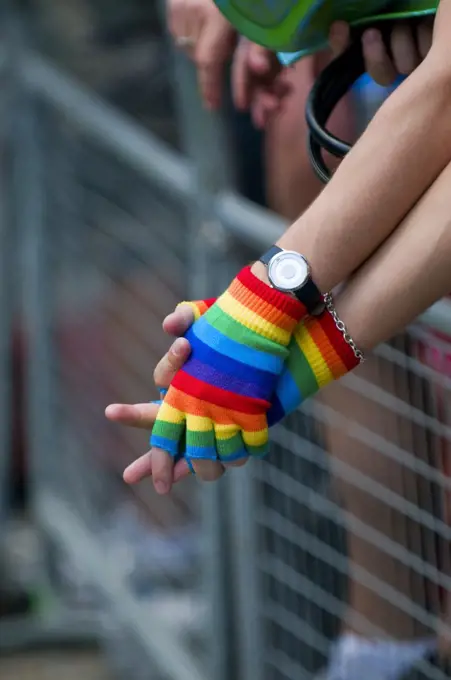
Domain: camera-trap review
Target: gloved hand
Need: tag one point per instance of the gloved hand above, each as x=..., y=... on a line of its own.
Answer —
x=221, y=396
x=307, y=369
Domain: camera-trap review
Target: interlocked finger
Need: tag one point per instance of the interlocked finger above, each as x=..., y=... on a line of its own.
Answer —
x=169, y=428
x=229, y=444
x=256, y=442
x=208, y=470
x=200, y=438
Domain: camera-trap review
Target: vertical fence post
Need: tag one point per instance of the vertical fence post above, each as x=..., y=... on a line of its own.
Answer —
x=206, y=141
x=37, y=291
x=8, y=253
x=244, y=539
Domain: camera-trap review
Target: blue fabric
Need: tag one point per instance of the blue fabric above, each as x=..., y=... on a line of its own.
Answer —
x=238, y=455
x=276, y=412
x=241, y=379
x=166, y=444
x=288, y=392
x=189, y=463
x=207, y=335
x=202, y=453
x=261, y=389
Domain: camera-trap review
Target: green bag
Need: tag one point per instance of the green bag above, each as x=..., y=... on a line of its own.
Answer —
x=302, y=26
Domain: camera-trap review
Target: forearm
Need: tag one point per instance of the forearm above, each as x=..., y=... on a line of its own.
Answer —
x=400, y=154
x=408, y=273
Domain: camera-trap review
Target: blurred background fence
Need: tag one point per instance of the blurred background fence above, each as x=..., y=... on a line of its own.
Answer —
x=110, y=214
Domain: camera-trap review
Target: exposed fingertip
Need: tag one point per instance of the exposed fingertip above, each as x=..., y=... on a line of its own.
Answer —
x=259, y=62
x=161, y=487
x=178, y=321
x=371, y=37
x=236, y=463
x=182, y=470
x=180, y=347
x=111, y=410
x=339, y=36
x=128, y=476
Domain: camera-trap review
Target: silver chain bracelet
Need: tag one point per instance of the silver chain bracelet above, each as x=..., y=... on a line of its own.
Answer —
x=329, y=302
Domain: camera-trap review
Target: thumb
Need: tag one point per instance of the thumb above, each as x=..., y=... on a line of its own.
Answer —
x=171, y=363
x=178, y=322
x=212, y=51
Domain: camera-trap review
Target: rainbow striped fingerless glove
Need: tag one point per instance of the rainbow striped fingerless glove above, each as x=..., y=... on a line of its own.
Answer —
x=199, y=307
x=224, y=390
x=318, y=354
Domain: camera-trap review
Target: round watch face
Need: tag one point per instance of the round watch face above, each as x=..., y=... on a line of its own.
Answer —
x=288, y=271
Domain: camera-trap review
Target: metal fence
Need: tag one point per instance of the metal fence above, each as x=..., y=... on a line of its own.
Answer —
x=253, y=577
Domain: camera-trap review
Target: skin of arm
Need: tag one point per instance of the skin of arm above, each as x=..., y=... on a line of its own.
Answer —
x=402, y=152
x=407, y=274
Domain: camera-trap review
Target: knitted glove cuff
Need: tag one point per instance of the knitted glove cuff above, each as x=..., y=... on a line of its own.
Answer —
x=199, y=307
x=264, y=310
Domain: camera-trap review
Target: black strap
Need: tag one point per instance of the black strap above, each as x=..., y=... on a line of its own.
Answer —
x=267, y=257
x=309, y=294
x=330, y=87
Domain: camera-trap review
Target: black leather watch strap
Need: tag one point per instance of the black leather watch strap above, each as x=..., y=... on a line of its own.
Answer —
x=267, y=257
x=309, y=294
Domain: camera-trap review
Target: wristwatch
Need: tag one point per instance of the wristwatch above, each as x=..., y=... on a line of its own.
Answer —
x=290, y=273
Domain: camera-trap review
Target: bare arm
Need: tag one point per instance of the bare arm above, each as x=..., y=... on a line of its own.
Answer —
x=408, y=273
x=402, y=152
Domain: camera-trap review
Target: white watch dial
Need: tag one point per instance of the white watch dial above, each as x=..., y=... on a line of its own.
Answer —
x=288, y=271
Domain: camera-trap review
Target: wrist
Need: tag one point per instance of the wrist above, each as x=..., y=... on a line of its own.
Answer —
x=289, y=272
x=260, y=308
x=253, y=288
x=259, y=270
x=341, y=329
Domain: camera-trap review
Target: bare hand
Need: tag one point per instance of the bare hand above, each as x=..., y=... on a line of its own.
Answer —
x=409, y=44
x=259, y=84
x=207, y=37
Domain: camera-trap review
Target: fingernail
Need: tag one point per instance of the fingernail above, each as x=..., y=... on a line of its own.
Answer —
x=371, y=37
x=177, y=348
x=161, y=488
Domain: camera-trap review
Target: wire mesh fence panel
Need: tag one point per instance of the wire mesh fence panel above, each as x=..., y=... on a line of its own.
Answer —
x=7, y=298
x=8, y=346
x=352, y=514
